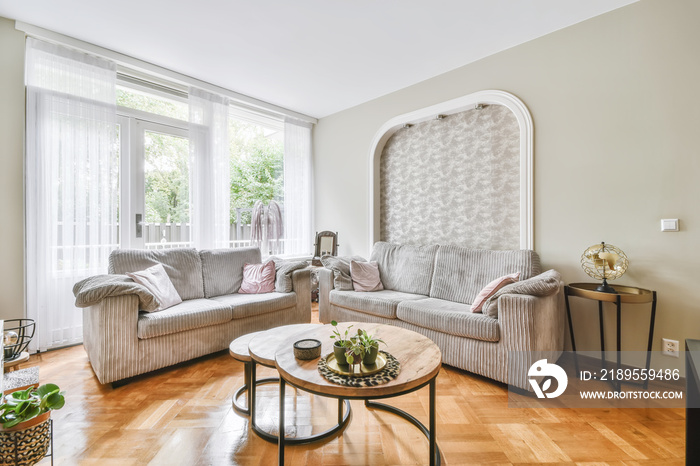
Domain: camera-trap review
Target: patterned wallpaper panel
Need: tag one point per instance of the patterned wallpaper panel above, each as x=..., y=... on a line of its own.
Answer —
x=454, y=181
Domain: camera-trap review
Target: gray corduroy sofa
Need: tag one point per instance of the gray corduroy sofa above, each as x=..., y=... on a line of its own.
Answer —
x=429, y=289
x=122, y=342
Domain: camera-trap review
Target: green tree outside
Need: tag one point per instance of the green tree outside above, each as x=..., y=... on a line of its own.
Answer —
x=257, y=167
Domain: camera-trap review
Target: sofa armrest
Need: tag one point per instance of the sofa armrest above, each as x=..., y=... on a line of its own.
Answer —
x=301, y=283
x=532, y=328
x=532, y=323
x=325, y=286
x=110, y=337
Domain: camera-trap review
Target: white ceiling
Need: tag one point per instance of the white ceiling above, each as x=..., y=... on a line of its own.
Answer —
x=315, y=57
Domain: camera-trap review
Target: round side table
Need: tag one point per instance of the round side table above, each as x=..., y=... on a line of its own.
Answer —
x=622, y=295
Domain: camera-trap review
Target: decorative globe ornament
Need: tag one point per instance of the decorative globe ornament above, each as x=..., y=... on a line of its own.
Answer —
x=604, y=262
x=11, y=338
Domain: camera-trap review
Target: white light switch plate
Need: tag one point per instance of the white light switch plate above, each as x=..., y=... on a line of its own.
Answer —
x=669, y=224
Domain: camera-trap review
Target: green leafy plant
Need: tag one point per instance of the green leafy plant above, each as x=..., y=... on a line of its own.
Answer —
x=355, y=350
x=368, y=341
x=24, y=405
x=341, y=340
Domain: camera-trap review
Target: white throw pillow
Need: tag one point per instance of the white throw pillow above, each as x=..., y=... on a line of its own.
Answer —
x=156, y=280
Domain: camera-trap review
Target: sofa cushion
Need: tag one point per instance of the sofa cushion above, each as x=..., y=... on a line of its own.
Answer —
x=188, y=315
x=222, y=269
x=404, y=267
x=460, y=273
x=448, y=317
x=183, y=266
x=246, y=305
x=379, y=303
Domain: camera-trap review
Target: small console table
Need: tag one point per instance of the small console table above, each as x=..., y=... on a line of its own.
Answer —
x=622, y=295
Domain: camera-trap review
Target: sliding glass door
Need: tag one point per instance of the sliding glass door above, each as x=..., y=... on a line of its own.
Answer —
x=156, y=187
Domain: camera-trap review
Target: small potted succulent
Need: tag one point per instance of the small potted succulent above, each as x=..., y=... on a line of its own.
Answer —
x=24, y=419
x=341, y=344
x=370, y=346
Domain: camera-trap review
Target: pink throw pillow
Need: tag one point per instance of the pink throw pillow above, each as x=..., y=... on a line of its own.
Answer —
x=491, y=288
x=258, y=278
x=365, y=276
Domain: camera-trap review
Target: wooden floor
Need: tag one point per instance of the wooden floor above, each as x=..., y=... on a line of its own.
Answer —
x=183, y=416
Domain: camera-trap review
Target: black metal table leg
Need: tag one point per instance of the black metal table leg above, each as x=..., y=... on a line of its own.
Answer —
x=603, y=361
x=434, y=449
x=651, y=334
x=571, y=328
x=280, y=437
x=245, y=410
x=251, y=393
x=619, y=339
x=433, y=434
x=343, y=418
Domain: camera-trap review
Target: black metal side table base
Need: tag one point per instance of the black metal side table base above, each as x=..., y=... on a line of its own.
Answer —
x=250, y=385
x=343, y=418
x=245, y=410
x=617, y=300
x=434, y=449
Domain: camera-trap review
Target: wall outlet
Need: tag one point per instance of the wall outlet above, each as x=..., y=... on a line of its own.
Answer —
x=669, y=347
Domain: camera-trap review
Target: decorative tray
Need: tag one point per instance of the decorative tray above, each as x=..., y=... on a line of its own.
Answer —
x=356, y=370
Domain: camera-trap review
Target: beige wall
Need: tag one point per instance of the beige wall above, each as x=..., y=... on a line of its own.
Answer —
x=11, y=171
x=616, y=113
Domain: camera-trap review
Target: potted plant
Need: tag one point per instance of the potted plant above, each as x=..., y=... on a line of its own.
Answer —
x=24, y=423
x=370, y=346
x=355, y=352
x=341, y=344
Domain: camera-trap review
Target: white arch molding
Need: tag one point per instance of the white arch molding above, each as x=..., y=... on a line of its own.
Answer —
x=449, y=107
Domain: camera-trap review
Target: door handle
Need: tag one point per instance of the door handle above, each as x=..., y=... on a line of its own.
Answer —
x=139, y=227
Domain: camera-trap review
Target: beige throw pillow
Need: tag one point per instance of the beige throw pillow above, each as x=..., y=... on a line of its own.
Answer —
x=365, y=276
x=156, y=280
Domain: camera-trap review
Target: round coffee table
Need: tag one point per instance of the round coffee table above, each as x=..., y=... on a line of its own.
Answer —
x=260, y=348
x=420, y=361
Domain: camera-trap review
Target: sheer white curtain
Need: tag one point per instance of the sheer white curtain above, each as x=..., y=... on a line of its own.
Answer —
x=297, y=188
x=71, y=184
x=210, y=165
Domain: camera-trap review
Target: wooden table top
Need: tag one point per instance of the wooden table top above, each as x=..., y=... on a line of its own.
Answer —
x=420, y=360
x=628, y=294
x=263, y=346
x=239, y=347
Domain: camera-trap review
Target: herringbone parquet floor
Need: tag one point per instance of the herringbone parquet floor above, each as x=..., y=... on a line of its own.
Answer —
x=183, y=416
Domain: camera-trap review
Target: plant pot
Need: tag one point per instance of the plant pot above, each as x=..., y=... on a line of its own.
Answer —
x=26, y=443
x=339, y=352
x=370, y=357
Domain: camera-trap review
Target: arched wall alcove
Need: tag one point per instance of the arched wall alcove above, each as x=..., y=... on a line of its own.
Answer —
x=458, y=172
